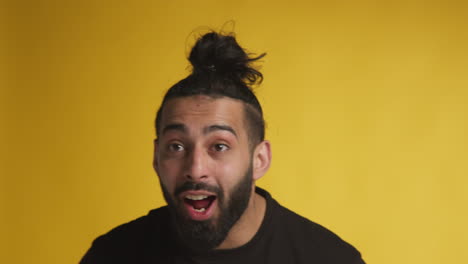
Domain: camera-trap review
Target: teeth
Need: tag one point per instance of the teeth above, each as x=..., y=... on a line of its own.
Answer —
x=199, y=210
x=196, y=197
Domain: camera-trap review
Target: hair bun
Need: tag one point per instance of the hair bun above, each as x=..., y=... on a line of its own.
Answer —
x=220, y=55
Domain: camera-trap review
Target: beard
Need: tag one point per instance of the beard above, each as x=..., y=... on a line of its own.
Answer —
x=203, y=236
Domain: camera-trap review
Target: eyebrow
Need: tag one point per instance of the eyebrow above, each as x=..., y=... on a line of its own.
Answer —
x=176, y=127
x=182, y=128
x=213, y=128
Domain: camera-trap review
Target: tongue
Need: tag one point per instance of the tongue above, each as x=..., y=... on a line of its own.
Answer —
x=199, y=204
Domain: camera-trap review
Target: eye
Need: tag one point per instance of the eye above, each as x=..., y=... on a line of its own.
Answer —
x=175, y=147
x=220, y=147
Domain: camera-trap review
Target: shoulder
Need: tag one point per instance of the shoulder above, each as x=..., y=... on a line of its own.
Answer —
x=138, y=229
x=311, y=240
x=130, y=239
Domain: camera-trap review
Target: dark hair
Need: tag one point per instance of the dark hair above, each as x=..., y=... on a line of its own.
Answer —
x=221, y=68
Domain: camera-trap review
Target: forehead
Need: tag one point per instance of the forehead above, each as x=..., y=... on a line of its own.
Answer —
x=201, y=111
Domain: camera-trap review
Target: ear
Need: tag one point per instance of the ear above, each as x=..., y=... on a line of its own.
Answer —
x=155, y=156
x=261, y=159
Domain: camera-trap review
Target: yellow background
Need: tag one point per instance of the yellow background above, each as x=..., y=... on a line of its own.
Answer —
x=366, y=104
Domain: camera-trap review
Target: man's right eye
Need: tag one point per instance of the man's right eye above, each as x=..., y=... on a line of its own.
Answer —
x=176, y=147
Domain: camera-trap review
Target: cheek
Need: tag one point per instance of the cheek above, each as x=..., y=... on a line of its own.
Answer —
x=169, y=174
x=230, y=173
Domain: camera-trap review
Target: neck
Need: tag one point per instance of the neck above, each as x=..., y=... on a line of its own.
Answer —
x=247, y=225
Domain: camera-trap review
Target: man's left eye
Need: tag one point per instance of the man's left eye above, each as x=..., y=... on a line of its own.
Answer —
x=221, y=147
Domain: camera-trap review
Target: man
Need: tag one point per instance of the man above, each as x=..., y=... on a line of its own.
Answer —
x=209, y=151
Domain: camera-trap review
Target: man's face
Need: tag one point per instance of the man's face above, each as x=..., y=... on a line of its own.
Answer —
x=204, y=164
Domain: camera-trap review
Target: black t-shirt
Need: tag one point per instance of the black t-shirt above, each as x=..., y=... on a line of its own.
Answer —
x=283, y=237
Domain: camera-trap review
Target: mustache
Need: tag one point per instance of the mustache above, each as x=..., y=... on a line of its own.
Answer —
x=197, y=186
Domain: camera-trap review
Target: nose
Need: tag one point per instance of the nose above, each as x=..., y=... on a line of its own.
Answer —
x=197, y=165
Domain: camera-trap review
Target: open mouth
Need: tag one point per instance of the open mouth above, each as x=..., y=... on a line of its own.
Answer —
x=199, y=203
